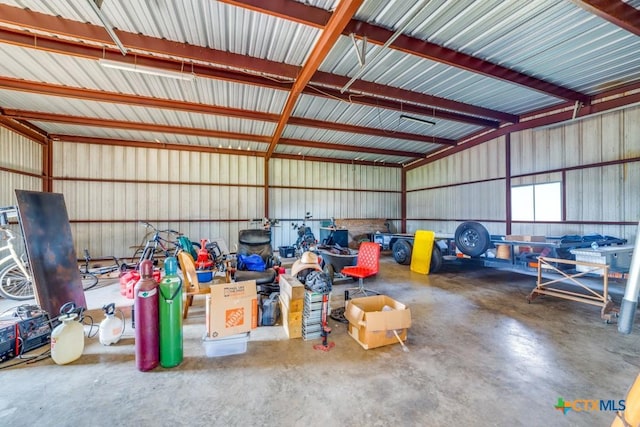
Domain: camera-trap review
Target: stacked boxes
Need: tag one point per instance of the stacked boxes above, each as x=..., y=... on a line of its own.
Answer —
x=312, y=315
x=291, y=305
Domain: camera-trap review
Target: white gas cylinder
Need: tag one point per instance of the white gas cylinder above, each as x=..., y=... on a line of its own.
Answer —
x=67, y=340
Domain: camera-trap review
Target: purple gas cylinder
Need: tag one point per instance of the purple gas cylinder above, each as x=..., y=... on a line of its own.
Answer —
x=146, y=319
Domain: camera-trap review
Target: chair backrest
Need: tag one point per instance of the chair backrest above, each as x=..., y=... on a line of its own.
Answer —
x=255, y=241
x=369, y=256
x=188, y=267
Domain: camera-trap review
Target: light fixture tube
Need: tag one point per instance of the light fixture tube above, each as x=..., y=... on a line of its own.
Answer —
x=418, y=120
x=141, y=69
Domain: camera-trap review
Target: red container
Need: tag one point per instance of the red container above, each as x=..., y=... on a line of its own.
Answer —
x=129, y=279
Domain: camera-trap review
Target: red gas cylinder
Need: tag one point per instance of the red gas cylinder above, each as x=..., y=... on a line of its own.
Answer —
x=204, y=261
x=146, y=319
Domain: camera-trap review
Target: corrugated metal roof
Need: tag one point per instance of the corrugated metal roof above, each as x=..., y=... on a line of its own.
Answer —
x=556, y=42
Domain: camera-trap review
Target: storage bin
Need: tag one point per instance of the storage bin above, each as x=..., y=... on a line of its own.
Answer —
x=204, y=276
x=287, y=251
x=225, y=346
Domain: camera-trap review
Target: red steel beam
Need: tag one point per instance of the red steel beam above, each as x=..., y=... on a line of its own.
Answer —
x=122, y=124
x=288, y=73
x=615, y=11
x=95, y=95
x=21, y=129
x=344, y=12
x=120, y=98
x=312, y=16
x=325, y=160
x=147, y=144
x=550, y=119
x=341, y=127
x=351, y=148
x=388, y=104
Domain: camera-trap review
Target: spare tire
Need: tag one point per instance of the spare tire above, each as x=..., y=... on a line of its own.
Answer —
x=436, y=260
x=402, y=252
x=472, y=238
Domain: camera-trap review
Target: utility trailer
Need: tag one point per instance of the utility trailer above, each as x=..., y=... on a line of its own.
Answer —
x=473, y=243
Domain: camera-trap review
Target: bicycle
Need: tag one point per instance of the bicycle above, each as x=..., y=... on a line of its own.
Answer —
x=16, y=281
x=155, y=245
x=15, y=276
x=90, y=275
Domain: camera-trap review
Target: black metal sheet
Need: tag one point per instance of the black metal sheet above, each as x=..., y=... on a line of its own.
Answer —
x=49, y=243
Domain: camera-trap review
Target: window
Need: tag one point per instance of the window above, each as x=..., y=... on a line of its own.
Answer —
x=538, y=202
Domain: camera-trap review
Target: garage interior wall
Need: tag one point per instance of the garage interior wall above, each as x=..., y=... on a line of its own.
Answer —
x=326, y=190
x=108, y=189
x=596, y=158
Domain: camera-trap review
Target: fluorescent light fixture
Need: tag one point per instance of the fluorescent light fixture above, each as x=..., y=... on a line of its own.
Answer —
x=418, y=120
x=141, y=69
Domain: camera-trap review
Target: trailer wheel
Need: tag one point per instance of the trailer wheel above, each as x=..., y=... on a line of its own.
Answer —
x=436, y=260
x=402, y=252
x=472, y=238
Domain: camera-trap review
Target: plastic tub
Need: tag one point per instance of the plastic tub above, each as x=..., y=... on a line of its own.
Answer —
x=204, y=276
x=226, y=346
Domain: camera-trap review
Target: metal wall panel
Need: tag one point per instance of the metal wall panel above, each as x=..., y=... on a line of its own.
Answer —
x=600, y=194
x=204, y=195
x=329, y=190
x=20, y=154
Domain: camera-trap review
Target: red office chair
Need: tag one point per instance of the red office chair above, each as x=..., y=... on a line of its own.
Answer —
x=367, y=265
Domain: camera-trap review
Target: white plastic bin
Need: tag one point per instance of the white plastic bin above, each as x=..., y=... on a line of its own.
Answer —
x=226, y=346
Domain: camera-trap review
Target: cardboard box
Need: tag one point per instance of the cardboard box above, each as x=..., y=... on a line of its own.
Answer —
x=294, y=305
x=232, y=308
x=291, y=320
x=373, y=320
x=291, y=287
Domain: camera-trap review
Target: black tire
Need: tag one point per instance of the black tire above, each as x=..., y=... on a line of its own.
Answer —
x=436, y=260
x=15, y=285
x=89, y=280
x=402, y=252
x=472, y=238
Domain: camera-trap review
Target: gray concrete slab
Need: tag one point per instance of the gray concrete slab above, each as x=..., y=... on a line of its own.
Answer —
x=479, y=354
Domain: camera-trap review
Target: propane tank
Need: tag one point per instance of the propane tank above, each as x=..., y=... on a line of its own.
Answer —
x=171, y=352
x=111, y=328
x=67, y=339
x=146, y=318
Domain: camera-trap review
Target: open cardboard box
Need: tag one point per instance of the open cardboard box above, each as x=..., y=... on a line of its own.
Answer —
x=373, y=320
x=232, y=308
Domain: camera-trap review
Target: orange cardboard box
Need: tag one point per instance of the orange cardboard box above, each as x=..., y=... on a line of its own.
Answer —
x=232, y=308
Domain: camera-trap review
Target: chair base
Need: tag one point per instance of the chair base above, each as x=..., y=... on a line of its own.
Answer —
x=360, y=289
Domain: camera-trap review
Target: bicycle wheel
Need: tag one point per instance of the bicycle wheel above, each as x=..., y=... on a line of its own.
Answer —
x=15, y=285
x=89, y=280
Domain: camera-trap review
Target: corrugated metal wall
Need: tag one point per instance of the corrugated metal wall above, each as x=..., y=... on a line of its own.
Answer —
x=206, y=195
x=18, y=154
x=594, y=195
x=606, y=193
x=463, y=186
x=108, y=188
x=343, y=191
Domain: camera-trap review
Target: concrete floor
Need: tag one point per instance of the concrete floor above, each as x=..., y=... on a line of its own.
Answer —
x=479, y=355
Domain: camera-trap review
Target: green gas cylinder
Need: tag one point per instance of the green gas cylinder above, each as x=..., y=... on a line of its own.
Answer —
x=170, y=315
